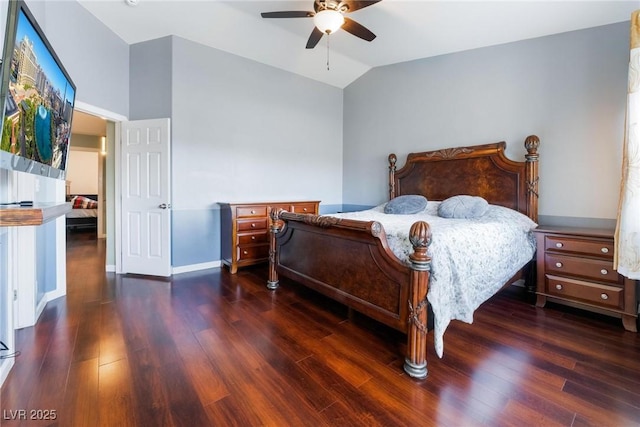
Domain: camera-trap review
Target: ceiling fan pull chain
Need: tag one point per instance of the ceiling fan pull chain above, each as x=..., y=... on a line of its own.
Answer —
x=328, y=37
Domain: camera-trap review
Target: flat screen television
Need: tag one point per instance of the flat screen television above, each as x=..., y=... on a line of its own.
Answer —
x=38, y=97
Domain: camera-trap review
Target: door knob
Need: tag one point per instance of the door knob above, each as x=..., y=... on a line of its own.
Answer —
x=164, y=205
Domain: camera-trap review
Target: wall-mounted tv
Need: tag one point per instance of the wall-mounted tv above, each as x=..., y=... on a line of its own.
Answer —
x=38, y=97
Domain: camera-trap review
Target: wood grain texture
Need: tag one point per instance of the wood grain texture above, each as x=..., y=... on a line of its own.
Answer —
x=214, y=349
x=38, y=214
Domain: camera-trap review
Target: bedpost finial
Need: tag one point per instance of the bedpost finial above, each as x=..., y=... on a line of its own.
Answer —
x=392, y=175
x=420, y=238
x=531, y=143
x=274, y=214
x=276, y=223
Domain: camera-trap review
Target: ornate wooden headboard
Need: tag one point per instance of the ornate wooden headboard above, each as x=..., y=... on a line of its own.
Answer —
x=480, y=170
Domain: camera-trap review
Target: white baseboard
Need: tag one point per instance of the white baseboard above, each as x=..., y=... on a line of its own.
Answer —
x=109, y=268
x=40, y=307
x=50, y=296
x=196, y=267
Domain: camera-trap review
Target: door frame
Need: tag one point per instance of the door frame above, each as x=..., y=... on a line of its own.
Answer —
x=113, y=238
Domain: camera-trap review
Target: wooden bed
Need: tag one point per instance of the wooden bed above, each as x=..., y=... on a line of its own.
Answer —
x=350, y=260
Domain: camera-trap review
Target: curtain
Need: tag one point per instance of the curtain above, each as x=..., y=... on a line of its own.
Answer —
x=627, y=238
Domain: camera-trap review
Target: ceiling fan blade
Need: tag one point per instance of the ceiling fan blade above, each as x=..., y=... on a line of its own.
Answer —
x=314, y=38
x=288, y=14
x=357, y=30
x=357, y=4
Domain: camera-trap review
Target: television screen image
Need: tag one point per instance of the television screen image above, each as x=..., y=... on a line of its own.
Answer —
x=38, y=97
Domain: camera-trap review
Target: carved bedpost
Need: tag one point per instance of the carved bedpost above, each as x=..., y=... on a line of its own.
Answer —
x=274, y=229
x=531, y=143
x=415, y=363
x=392, y=175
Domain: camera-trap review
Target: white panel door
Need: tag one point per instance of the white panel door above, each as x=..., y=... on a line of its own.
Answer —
x=146, y=198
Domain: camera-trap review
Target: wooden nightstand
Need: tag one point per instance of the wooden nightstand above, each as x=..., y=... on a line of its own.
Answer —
x=245, y=230
x=575, y=266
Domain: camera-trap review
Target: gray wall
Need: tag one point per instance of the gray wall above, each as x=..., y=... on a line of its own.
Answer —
x=569, y=89
x=96, y=58
x=241, y=131
x=151, y=76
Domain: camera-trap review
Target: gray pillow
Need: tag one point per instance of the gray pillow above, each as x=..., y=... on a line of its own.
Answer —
x=406, y=205
x=463, y=207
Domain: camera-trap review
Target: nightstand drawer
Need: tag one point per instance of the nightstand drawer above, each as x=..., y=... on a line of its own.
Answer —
x=603, y=248
x=249, y=238
x=253, y=252
x=593, y=293
x=600, y=270
x=252, y=224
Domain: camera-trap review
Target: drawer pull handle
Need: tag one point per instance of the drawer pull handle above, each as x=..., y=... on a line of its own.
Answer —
x=559, y=264
x=252, y=211
x=304, y=209
x=604, y=250
x=253, y=225
x=559, y=245
x=604, y=271
x=604, y=296
x=245, y=252
x=559, y=287
x=253, y=237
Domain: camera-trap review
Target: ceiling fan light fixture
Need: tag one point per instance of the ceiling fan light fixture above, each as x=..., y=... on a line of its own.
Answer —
x=328, y=21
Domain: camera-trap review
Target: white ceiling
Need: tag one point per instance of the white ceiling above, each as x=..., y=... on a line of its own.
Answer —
x=405, y=29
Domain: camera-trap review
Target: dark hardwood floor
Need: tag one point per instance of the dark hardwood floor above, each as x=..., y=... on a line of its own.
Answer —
x=214, y=349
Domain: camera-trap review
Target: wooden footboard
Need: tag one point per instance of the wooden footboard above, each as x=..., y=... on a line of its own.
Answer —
x=350, y=262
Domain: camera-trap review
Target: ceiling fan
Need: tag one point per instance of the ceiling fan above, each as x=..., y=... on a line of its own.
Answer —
x=328, y=17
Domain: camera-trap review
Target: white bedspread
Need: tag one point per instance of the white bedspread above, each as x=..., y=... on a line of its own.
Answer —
x=82, y=213
x=471, y=258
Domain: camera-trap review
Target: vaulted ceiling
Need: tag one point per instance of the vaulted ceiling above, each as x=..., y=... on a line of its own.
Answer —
x=405, y=29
